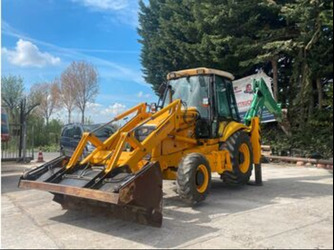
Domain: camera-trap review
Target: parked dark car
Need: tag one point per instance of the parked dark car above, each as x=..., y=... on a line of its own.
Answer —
x=71, y=135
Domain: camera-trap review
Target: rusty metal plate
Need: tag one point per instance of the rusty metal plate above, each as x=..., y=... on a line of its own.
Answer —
x=72, y=191
x=139, y=197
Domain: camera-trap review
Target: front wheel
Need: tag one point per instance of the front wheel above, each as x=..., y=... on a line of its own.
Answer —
x=193, y=178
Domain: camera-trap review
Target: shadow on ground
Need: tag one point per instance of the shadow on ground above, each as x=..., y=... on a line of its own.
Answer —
x=183, y=224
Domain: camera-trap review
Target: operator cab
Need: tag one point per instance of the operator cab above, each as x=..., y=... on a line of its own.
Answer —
x=210, y=92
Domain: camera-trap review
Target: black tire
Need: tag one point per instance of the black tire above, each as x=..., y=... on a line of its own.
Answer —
x=193, y=178
x=241, y=173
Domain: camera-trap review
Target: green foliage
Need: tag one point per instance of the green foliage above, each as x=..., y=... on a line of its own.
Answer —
x=244, y=36
x=44, y=135
x=48, y=148
x=11, y=94
x=312, y=140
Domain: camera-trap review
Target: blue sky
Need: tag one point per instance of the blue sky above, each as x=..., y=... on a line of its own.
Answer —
x=40, y=38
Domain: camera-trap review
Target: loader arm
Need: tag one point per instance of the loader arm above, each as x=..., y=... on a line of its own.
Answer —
x=262, y=98
x=140, y=114
x=166, y=121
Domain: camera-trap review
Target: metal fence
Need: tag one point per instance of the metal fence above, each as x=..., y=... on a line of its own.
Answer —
x=14, y=149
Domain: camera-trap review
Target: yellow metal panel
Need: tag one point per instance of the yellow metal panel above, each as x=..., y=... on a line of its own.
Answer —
x=100, y=157
x=169, y=174
x=199, y=71
x=78, y=151
x=256, y=139
x=226, y=129
x=219, y=161
x=163, y=128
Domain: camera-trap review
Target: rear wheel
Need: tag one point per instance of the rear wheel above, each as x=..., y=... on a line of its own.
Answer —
x=193, y=178
x=241, y=153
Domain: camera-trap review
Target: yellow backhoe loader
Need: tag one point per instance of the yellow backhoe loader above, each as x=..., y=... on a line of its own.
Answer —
x=194, y=131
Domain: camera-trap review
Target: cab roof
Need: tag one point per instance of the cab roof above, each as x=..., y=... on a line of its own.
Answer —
x=199, y=71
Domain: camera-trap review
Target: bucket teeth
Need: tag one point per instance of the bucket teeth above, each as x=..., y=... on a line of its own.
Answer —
x=136, y=197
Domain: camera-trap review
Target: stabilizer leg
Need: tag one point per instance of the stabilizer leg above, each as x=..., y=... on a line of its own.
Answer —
x=258, y=176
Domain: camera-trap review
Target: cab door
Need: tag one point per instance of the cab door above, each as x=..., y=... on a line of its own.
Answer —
x=226, y=105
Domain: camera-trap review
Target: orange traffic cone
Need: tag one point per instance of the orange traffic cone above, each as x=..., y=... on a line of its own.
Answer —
x=40, y=156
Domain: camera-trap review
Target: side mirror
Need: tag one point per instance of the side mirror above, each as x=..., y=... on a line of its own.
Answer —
x=153, y=107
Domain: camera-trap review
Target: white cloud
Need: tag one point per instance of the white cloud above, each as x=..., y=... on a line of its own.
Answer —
x=95, y=112
x=28, y=54
x=115, y=109
x=140, y=94
x=93, y=106
x=107, y=69
x=119, y=11
x=104, y=4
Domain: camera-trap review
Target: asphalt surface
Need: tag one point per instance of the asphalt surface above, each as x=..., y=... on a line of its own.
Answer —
x=294, y=209
x=11, y=172
x=9, y=184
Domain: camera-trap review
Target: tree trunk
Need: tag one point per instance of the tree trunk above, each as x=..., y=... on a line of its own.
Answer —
x=69, y=116
x=83, y=116
x=320, y=94
x=24, y=141
x=275, y=77
x=311, y=105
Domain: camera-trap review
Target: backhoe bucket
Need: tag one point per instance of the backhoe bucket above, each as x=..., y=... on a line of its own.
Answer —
x=121, y=193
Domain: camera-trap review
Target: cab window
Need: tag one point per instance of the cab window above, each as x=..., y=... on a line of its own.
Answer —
x=226, y=103
x=192, y=91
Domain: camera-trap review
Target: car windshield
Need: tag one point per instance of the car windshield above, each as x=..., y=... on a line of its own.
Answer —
x=102, y=133
x=191, y=90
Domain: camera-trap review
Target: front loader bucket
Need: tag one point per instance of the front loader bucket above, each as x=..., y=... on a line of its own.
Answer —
x=121, y=193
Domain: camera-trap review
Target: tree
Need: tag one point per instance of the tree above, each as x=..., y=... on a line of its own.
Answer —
x=291, y=40
x=45, y=135
x=12, y=91
x=230, y=35
x=152, y=54
x=48, y=97
x=80, y=79
x=313, y=60
x=67, y=92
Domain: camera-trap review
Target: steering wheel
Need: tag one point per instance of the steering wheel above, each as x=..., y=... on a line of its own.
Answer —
x=185, y=114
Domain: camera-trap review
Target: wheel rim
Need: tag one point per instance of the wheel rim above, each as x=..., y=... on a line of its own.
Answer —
x=202, y=178
x=244, y=158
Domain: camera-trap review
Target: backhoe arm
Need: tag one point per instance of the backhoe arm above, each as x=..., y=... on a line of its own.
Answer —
x=262, y=98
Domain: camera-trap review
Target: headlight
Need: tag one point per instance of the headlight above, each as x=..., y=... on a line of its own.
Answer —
x=142, y=133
